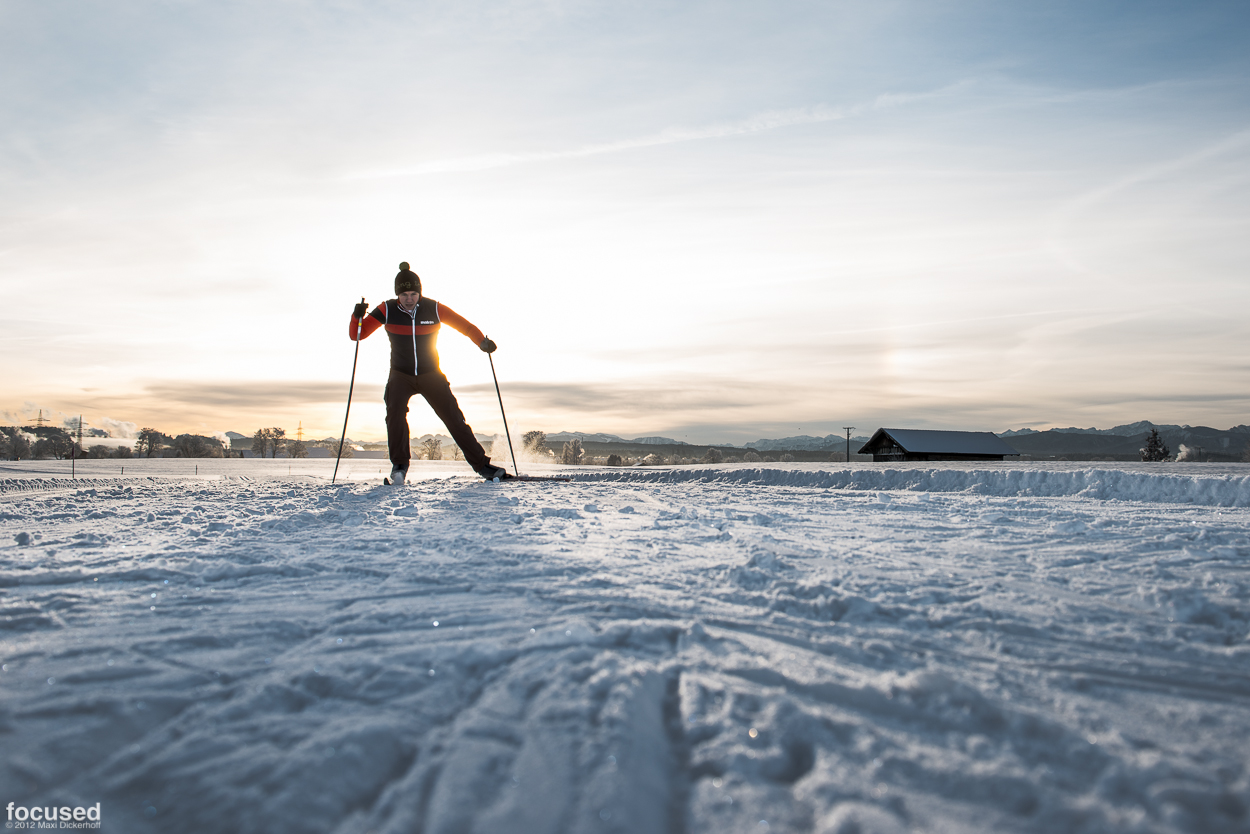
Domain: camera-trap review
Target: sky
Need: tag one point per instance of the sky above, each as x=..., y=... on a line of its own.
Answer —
x=710, y=221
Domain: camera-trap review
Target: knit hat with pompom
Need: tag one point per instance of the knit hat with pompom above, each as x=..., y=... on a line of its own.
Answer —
x=406, y=280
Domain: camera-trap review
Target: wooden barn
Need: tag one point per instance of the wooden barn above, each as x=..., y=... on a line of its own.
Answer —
x=923, y=444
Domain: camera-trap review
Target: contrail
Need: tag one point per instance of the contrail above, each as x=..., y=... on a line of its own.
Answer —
x=1229, y=143
x=758, y=123
x=1067, y=215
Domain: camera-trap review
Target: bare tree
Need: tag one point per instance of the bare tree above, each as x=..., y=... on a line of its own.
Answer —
x=333, y=447
x=279, y=441
x=268, y=442
x=752, y=457
x=572, y=452
x=260, y=442
x=615, y=460
x=14, y=445
x=713, y=456
x=297, y=449
x=58, y=445
x=432, y=448
x=534, y=442
x=149, y=441
x=197, y=446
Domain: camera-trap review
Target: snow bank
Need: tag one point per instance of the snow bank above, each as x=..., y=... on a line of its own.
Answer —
x=1103, y=484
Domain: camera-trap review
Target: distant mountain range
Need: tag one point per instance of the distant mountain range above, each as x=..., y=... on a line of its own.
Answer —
x=1129, y=430
x=1124, y=442
x=802, y=442
x=807, y=442
x=565, y=436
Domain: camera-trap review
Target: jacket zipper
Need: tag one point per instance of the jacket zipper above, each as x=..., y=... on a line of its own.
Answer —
x=415, y=370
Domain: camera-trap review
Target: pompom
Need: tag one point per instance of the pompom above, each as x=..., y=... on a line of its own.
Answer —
x=403, y=267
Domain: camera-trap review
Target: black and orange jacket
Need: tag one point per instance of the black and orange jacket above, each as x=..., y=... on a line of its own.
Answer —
x=414, y=336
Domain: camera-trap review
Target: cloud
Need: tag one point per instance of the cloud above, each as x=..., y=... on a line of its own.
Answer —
x=118, y=428
x=1230, y=143
x=258, y=394
x=756, y=123
x=629, y=399
x=694, y=407
x=1151, y=213
x=31, y=411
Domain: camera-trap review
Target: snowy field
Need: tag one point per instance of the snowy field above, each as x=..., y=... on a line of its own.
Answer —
x=787, y=647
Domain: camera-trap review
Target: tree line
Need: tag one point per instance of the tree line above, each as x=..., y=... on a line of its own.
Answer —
x=45, y=442
x=267, y=443
x=534, y=446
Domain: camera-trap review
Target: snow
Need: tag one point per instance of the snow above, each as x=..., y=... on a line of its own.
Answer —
x=789, y=647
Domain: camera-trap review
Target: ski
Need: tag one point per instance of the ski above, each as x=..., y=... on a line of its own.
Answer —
x=559, y=478
x=518, y=478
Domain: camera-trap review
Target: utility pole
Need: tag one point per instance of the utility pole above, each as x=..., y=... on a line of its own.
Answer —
x=40, y=420
x=299, y=432
x=73, y=452
x=848, y=442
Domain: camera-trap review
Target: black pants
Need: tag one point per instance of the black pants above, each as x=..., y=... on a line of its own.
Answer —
x=400, y=388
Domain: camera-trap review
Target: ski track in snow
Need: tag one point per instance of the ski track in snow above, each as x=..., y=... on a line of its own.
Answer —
x=929, y=648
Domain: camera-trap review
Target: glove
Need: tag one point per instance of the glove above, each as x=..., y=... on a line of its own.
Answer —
x=359, y=311
x=488, y=346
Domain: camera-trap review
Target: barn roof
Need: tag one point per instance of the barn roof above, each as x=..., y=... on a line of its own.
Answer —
x=940, y=442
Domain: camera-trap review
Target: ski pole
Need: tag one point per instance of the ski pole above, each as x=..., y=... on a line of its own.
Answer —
x=505, y=416
x=359, y=326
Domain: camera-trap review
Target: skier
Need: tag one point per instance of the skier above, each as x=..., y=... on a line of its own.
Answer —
x=412, y=321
